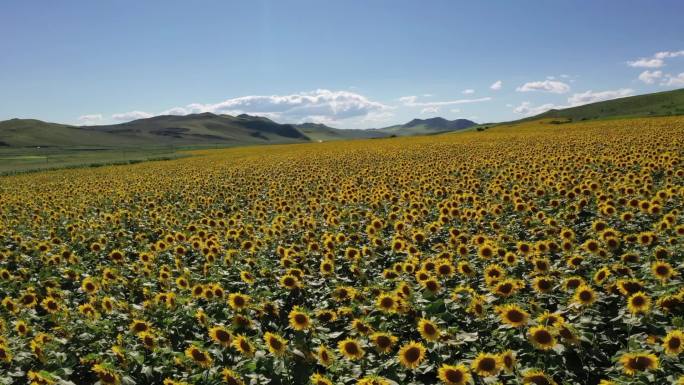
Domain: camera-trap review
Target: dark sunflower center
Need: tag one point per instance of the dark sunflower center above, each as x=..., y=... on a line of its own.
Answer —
x=454, y=376
x=487, y=364
x=412, y=354
x=542, y=337
x=351, y=348
x=515, y=316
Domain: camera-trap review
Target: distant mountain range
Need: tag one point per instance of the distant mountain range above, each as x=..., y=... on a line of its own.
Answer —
x=200, y=129
x=225, y=130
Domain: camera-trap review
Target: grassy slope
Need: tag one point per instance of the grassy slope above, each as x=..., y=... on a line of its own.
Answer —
x=33, y=133
x=656, y=104
x=206, y=129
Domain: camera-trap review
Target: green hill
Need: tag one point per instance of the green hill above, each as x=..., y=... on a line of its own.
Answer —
x=36, y=133
x=427, y=126
x=205, y=128
x=656, y=104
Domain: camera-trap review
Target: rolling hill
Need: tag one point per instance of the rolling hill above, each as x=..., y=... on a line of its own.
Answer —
x=200, y=130
x=205, y=128
x=655, y=104
x=427, y=126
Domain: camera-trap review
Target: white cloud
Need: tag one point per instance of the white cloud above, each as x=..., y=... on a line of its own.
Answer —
x=318, y=105
x=429, y=110
x=455, y=110
x=552, y=86
x=592, y=97
x=132, y=115
x=412, y=101
x=656, y=61
x=496, y=85
x=649, y=77
x=676, y=81
x=646, y=63
x=89, y=120
x=468, y=91
x=668, y=54
x=526, y=108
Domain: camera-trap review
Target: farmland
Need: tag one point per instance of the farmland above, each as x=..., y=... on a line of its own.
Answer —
x=533, y=254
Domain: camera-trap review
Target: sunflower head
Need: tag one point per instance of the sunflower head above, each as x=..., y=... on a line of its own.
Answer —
x=428, y=330
x=351, y=349
x=542, y=337
x=454, y=374
x=486, y=364
x=411, y=354
x=633, y=363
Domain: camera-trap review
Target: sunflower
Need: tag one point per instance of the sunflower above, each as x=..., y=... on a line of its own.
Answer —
x=411, y=354
x=628, y=287
x=506, y=288
x=238, y=301
x=537, y=377
x=428, y=330
x=247, y=277
x=275, y=343
x=326, y=315
x=221, y=335
x=384, y=342
x=319, y=379
x=550, y=319
x=298, y=319
x=453, y=374
x=199, y=356
x=242, y=344
x=106, y=374
x=5, y=353
x=290, y=282
x=324, y=356
x=350, y=349
x=138, y=326
x=89, y=285
x=230, y=377
x=662, y=270
x=673, y=343
x=584, y=296
x=148, y=339
x=513, y=315
x=639, y=303
x=21, y=327
x=386, y=303
x=637, y=362
x=486, y=364
x=601, y=275
x=50, y=305
x=372, y=380
x=508, y=360
x=542, y=284
x=541, y=337
x=361, y=326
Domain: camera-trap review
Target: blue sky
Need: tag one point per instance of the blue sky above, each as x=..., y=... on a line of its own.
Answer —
x=352, y=64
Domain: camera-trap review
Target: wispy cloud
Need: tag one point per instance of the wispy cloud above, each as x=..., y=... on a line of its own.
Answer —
x=649, y=77
x=468, y=91
x=131, y=115
x=675, y=81
x=89, y=120
x=655, y=61
x=412, y=101
x=593, y=97
x=553, y=86
x=646, y=63
x=496, y=85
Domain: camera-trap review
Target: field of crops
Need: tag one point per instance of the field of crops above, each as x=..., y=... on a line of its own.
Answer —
x=537, y=254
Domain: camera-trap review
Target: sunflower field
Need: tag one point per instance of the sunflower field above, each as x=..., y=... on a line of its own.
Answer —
x=535, y=254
